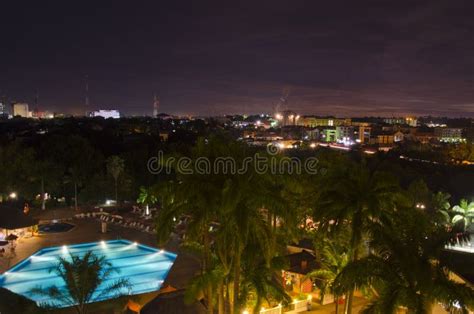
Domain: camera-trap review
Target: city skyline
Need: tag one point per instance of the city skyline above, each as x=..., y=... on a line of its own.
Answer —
x=343, y=58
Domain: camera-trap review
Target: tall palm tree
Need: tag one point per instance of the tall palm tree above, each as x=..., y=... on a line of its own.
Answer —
x=403, y=268
x=234, y=202
x=463, y=214
x=262, y=281
x=333, y=257
x=353, y=197
x=85, y=279
x=242, y=214
x=115, y=167
x=440, y=205
x=147, y=197
x=198, y=196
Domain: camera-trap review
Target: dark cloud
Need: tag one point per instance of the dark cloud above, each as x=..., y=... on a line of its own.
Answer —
x=209, y=57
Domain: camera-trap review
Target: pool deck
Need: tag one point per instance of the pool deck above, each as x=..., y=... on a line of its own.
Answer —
x=88, y=230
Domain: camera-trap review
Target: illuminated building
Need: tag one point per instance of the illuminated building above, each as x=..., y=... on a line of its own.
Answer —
x=329, y=135
x=21, y=109
x=287, y=118
x=451, y=135
x=106, y=114
x=411, y=121
x=313, y=122
x=364, y=134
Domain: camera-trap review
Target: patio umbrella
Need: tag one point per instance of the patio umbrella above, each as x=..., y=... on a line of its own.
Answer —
x=11, y=237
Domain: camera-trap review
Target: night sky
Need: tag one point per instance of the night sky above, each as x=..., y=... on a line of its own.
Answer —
x=201, y=57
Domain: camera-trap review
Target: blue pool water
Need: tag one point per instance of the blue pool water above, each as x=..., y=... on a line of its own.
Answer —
x=55, y=227
x=146, y=268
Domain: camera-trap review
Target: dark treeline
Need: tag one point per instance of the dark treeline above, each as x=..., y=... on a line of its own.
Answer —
x=65, y=156
x=382, y=220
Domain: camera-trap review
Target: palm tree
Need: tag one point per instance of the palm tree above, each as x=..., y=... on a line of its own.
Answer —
x=355, y=197
x=463, y=214
x=85, y=278
x=333, y=257
x=199, y=197
x=440, y=205
x=242, y=216
x=230, y=201
x=115, y=167
x=147, y=197
x=403, y=269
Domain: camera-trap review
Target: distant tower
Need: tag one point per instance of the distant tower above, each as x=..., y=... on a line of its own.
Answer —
x=156, y=105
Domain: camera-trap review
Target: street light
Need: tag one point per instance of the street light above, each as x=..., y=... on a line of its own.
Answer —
x=13, y=195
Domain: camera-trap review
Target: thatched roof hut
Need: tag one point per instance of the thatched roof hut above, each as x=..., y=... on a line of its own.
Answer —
x=12, y=217
x=15, y=303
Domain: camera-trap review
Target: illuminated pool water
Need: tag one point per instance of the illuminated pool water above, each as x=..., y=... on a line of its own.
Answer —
x=146, y=268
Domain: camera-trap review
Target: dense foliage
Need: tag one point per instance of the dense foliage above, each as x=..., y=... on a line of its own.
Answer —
x=376, y=224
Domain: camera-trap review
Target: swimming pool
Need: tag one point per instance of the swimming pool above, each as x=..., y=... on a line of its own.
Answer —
x=55, y=227
x=145, y=267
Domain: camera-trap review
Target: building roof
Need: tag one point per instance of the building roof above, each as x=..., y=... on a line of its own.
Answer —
x=304, y=243
x=302, y=262
x=12, y=217
x=15, y=303
x=172, y=302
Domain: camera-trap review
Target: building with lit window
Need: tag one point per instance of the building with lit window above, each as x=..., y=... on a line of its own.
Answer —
x=312, y=122
x=329, y=135
x=106, y=114
x=450, y=135
x=21, y=110
x=411, y=121
x=363, y=134
x=287, y=118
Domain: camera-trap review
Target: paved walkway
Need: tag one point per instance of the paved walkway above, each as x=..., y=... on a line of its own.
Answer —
x=358, y=305
x=88, y=230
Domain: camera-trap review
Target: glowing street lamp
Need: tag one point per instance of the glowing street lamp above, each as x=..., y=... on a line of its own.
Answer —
x=13, y=195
